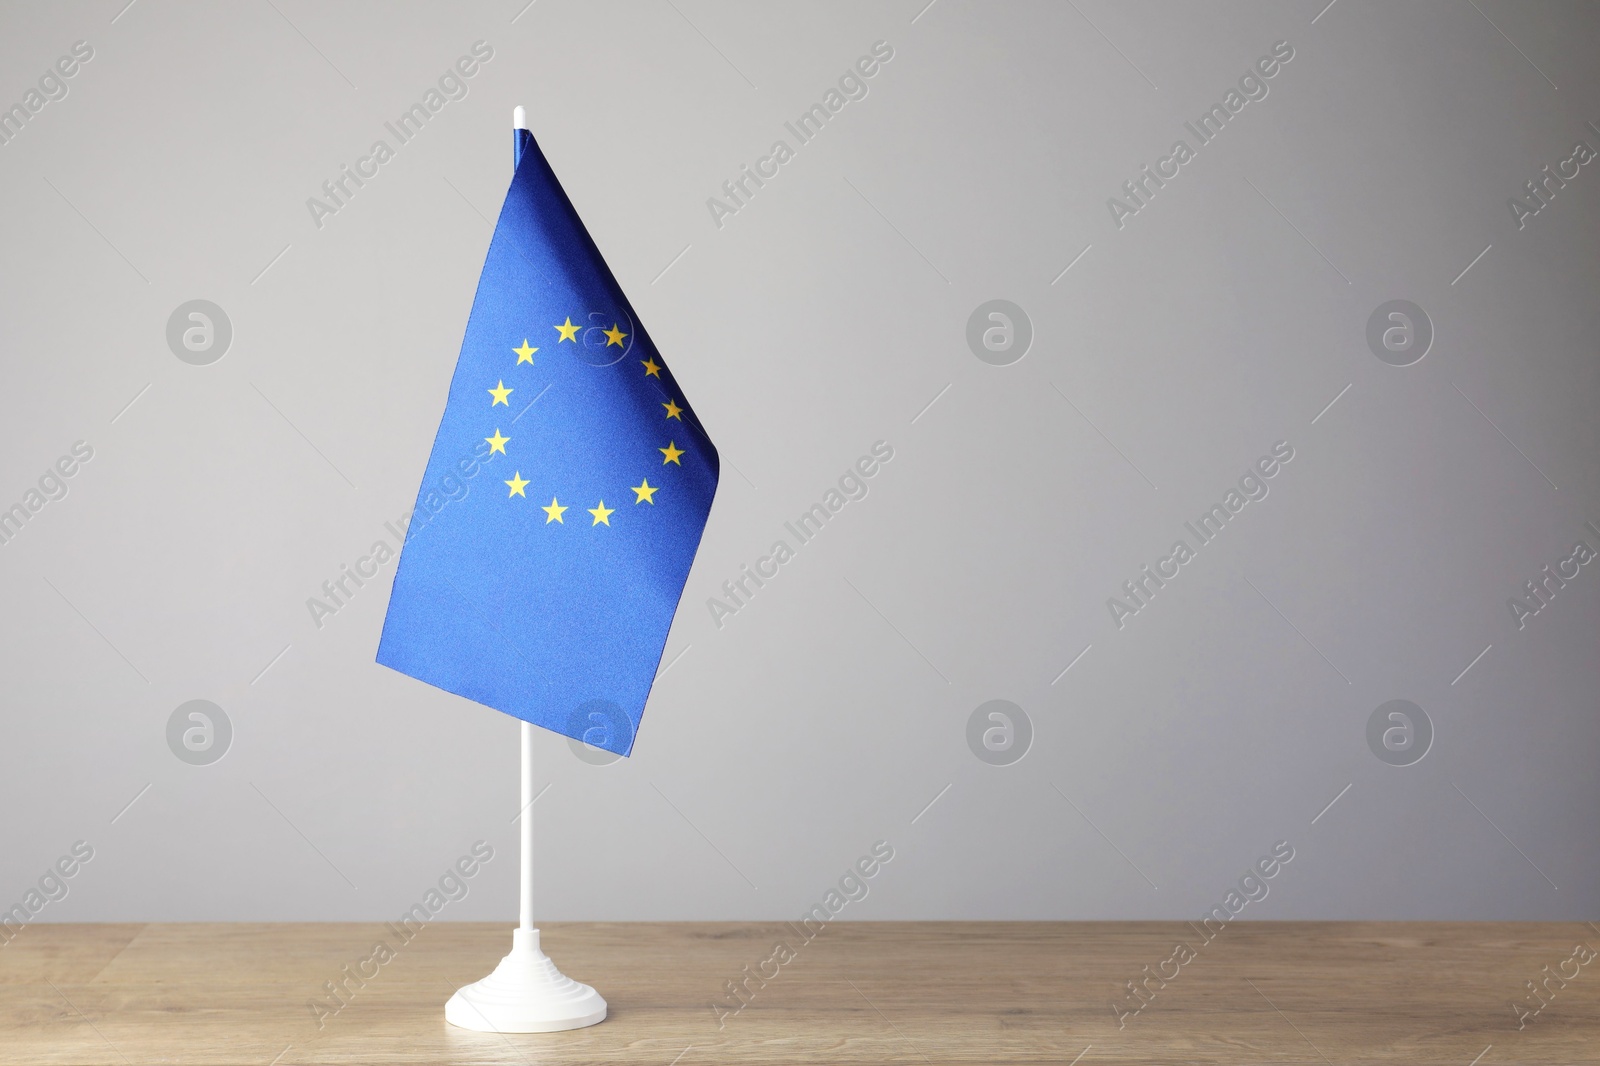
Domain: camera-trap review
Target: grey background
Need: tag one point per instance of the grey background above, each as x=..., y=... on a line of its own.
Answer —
x=826, y=315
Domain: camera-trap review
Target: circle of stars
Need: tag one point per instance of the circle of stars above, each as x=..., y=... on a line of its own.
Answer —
x=644, y=492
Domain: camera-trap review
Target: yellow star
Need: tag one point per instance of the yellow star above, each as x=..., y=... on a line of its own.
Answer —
x=500, y=392
x=651, y=368
x=568, y=331
x=602, y=514
x=524, y=353
x=614, y=336
x=645, y=491
x=497, y=443
x=554, y=512
x=517, y=485
x=671, y=451
x=673, y=410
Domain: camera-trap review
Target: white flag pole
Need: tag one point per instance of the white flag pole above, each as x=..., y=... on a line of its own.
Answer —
x=527, y=814
x=519, y=121
x=525, y=993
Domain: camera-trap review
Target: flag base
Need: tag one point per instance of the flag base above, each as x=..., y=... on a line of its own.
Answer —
x=525, y=994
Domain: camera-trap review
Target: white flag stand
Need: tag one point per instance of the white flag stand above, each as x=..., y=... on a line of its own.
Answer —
x=525, y=993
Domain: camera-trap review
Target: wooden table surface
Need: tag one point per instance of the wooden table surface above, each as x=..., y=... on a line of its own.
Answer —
x=936, y=992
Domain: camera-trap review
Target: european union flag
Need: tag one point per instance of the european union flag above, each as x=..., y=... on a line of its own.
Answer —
x=556, y=613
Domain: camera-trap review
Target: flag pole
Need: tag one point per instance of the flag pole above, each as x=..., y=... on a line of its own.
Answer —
x=519, y=121
x=527, y=822
x=525, y=993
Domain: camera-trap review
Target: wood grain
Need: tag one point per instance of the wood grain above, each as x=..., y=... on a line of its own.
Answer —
x=914, y=992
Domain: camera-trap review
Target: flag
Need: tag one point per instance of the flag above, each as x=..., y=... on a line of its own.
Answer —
x=566, y=492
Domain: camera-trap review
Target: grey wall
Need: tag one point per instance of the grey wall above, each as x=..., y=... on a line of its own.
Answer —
x=1168, y=354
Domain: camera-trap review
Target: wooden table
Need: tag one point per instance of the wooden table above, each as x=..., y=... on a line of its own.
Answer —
x=939, y=992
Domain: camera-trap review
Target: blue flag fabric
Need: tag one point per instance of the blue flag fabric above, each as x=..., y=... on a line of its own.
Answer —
x=554, y=612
